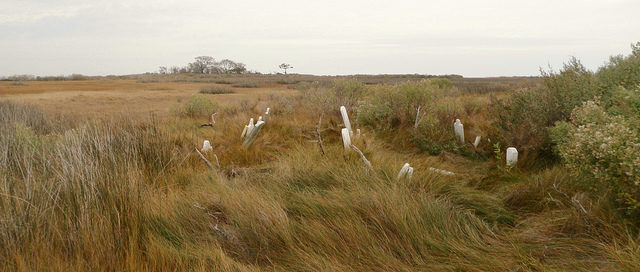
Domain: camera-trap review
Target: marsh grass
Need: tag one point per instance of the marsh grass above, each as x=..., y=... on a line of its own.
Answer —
x=125, y=194
x=216, y=90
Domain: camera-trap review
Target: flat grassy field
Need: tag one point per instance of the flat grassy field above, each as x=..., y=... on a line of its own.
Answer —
x=112, y=97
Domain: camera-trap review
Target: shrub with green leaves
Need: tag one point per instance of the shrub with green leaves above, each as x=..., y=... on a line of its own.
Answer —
x=522, y=119
x=324, y=96
x=432, y=137
x=621, y=70
x=604, y=151
x=395, y=106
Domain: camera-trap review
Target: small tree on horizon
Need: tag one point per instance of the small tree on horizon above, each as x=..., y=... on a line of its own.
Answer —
x=285, y=66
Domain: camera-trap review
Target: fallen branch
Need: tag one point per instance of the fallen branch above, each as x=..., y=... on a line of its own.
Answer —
x=318, y=134
x=217, y=162
x=366, y=162
x=418, y=118
x=213, y=121
x=204, y=159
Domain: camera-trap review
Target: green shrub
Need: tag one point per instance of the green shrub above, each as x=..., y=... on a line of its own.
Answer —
x=326, y=96
x=390, y=107
x=621, y=71
x=522, y=119
x=216, y=90
x=197, y=106
x=432, y=137
x=604, y=151
x=442, y=83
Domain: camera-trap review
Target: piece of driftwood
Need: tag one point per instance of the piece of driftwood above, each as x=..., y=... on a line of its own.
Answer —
x=217, y=162
x=442, y=172
x=204, y=159
x=213, y=121
x=318, y=135
x=418, y=118
x=364, y=159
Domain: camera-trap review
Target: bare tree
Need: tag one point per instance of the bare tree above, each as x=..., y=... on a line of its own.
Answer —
x=229, y=66
x=285, y=66
x=162, y=70
x=202, y=64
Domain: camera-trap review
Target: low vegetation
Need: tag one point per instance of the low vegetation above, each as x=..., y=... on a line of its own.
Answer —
x=116, y=194
x=216, y=90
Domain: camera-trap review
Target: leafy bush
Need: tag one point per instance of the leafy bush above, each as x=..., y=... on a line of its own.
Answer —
x=621, y=71
x=323, y=96
x=390, y=108
x=522, y=118
x=394, y=106
x=432, y=137
x=216, y=90
x=604, y=151
x=197, y=106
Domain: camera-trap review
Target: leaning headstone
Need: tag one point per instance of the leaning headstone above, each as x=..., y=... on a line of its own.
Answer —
x=512, y=156
x=206, y=146
x=254, y=132
x=244, y=131
x=251, y=126
x=477, y=141
x=346, y=138
x=404, y=170
x=459, y=129
x=345, y=119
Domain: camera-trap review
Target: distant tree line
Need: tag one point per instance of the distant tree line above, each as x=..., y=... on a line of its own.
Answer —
x=45, y=78
x=207, y=65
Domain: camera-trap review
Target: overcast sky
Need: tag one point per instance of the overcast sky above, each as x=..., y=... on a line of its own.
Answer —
x=471, y=38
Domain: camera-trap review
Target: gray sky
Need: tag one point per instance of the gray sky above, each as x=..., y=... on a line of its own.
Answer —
x=471, y=38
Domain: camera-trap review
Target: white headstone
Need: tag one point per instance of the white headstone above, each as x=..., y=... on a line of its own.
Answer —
x=345, y=119
x=251, y=126
x=477, y=141
x=404, y=170
x=244, y=131
x=346, y=138
x=459, y=129
x=266, y=115
x=410, y=173
x=206, y=146
x=358, y=132
x=512, y=156
x=254, y=132
x=259, y=118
